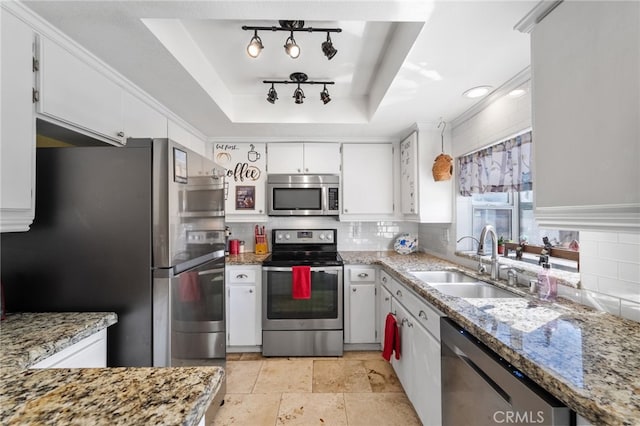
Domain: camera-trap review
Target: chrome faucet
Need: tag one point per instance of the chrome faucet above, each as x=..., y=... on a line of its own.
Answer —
x=494, y=249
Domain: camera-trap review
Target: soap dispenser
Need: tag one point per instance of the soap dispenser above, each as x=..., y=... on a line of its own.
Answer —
x=547, y=285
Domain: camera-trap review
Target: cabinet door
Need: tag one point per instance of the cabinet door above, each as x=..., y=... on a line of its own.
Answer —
x=77, y=94
x=142, y=121
x=362, y=309
x=426, y=393
x=241, y=329
x=323, y=158
x=246, y=180
x=409, y=174
x=367, y=179
x=285, y=158
x=17, y=147
x=403, y=366
x=384, y=307
x=90, y=352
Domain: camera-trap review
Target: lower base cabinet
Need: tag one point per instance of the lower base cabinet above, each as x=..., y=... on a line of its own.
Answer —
x=360, y=304
x=90, y=352
x=418, y=368
x=243, y=305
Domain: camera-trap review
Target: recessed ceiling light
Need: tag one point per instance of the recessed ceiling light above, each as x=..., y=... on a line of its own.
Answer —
x=477, y=92
x=516, y=93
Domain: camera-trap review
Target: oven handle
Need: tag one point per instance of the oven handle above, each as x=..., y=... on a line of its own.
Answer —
x=326, y=269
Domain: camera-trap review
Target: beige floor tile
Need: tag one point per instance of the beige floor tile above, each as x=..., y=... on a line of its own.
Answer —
x=380, y=409
x=248, y=409
x=252, y=356
x=242, y=375
x=309, y=409
x=363, y=355
x=283, y=375
x=340, y=376
x=382, y=378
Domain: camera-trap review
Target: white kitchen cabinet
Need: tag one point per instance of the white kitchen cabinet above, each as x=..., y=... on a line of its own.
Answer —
x=418, y=368
x=384, y=307
x=244, y=320
x=367, y=181
x=76, y=95
x=307, y=158
x=585, y=60
x=141, y=120
x=360, y=284
x=246, y=178
x=18, y=144
x=90, y=352
x=422, y=198
x=184, y=137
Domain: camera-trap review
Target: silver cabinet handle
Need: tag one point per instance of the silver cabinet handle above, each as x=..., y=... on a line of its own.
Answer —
x=120, y=134
x=250, y=290
x=399, y=293
x=384, y=279
x=386, y=299
x=241, y=276
x=363, y=275
x=299, y=170
x=354, y=289
x=422, y=315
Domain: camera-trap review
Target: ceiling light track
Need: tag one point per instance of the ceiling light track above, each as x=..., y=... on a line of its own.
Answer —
x=298, y=78
x=291, y=47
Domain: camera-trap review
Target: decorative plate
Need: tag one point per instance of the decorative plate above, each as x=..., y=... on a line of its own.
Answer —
x=406, y=243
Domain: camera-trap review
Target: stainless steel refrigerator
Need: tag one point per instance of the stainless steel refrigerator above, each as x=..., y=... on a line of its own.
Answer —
x=138, y=230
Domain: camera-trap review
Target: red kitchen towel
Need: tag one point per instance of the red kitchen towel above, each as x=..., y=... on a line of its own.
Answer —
x=391, y=338
x=301, y=282
x=189, y=287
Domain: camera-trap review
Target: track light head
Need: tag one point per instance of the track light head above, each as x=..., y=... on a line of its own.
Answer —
x=324, y=95
x=255, y=45
x=291, y=47
x=298, y=95
x=328, y=49
x=272, y=95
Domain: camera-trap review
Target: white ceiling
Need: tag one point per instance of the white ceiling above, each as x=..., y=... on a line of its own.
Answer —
x=398, y=62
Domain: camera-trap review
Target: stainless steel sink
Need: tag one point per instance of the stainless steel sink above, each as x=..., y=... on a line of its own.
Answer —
x=443, y=277
x=473, y=290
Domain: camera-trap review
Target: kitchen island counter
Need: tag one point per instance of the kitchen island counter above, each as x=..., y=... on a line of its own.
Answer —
x=91, y=395
x=589, y=360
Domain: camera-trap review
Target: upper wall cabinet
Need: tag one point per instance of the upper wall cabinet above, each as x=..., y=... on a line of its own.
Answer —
x=586, y=104
x=184, y=137
x=367, y=181
x=293, y=158
x=422, y=198
x=245, y=180
x=142, y=121
x=74, y=94
x=17, y=147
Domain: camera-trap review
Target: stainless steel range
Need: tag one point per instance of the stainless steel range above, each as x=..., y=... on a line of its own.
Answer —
x=303, y=327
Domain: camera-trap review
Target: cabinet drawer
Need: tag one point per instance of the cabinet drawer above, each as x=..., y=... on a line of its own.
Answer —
x=362, y=275
x=242, y=276
x=423, y=313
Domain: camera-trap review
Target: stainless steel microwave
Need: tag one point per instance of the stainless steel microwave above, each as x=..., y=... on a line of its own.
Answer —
x=303, y=195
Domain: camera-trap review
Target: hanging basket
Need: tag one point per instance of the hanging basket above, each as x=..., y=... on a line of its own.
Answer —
x=442, y=167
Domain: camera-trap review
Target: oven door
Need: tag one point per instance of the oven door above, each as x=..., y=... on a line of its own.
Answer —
x=323, y=311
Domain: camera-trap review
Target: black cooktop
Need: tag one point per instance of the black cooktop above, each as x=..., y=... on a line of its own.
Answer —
x=304, y=258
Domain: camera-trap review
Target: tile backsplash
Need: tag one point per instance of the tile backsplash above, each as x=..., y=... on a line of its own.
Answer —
x=371, y=236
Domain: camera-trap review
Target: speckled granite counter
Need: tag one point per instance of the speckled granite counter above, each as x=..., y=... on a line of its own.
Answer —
x=246, y=259
x=96, y=396
x=589, y=360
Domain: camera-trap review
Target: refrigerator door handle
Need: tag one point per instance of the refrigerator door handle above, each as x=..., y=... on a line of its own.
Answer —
x=212, y=271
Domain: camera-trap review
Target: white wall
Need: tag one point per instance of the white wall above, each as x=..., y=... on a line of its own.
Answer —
x=609, y=262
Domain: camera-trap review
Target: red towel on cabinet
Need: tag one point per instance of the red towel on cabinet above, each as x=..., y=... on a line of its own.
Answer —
x=301, y=282
x=391, y=338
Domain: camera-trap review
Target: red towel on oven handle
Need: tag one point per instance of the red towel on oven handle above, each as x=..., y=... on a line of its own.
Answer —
x=301, y=282
x=391, y=338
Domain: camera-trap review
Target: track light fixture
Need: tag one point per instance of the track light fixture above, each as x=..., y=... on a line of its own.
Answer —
x=255, y=46
x=298, y=78
x=328, y=49
x=272, y=95
x=291, y=47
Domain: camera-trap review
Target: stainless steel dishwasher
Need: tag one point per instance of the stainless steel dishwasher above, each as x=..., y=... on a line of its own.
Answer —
x=480, y=388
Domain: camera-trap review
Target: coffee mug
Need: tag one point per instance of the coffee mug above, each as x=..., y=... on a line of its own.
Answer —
x=234, y=246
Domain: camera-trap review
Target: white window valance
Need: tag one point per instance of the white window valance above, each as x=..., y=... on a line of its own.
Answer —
x=503, y=167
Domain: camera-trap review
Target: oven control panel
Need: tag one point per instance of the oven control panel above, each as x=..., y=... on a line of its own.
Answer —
x=304, y=236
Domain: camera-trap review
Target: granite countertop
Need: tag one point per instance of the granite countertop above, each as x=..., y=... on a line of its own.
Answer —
x=246, y=259
x=97, y=396
x=589, y=360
